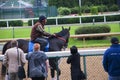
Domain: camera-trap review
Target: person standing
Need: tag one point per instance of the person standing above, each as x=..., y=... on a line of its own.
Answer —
x=38, y=34
x=74, y=60
x=11, y=60
x=38, y=64
x=111, y=60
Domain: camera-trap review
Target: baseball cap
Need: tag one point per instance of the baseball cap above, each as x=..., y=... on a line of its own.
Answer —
x=114, y=40
x=42, y=18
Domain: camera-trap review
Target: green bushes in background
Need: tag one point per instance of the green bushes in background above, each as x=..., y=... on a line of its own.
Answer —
x=93, y=29
x=11, y=23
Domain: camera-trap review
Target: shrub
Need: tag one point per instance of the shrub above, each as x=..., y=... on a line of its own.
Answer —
x=93, y=29
x=16, y=23
x=102, y=8
x=114, y=8
x=3, y=24
x=64, y=11
x=75, y=10
x=94, y=10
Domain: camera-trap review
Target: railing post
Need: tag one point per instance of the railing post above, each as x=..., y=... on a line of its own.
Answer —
x=7, y=24
x=104, y=18
x=56, y=21
x=80, y=19
x=57, y=67
x=84, y=64
x=84, y=42
x=32, y=22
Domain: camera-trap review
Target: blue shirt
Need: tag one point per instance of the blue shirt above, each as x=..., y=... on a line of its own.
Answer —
x=111, y=60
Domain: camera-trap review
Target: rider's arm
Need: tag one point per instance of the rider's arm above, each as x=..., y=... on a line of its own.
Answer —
x=41, y=30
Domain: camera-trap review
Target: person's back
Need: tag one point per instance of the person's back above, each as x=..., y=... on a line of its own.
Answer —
x=11, y=60
x=38, y=62
x=74, y=60
x=111, y=60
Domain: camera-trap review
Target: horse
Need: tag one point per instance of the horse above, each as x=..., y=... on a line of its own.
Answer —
x=56, y=44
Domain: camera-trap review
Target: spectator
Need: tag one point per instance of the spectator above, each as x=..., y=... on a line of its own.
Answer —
x=38, y=64
x=111, y=60
x=74, y=60
x=11, y=60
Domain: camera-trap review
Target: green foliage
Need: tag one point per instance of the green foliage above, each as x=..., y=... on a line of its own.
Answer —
x=64, y=11
x=102, y=8
x=114, y=8
x=11, y=23
x=113, y=18
x=16, y=23
x=93, y=29
x=75, y=10
x=3, y=24
x=94, y=10
x=85, y=9
x=30, y=22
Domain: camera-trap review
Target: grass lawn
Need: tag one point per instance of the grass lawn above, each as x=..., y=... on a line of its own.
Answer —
x=25, y=33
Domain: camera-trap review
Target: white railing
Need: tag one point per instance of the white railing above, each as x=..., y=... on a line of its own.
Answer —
x=67, y=53
x=56, y=18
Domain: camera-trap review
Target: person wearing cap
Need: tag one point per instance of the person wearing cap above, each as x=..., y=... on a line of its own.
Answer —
x=111, y=60
x=38, y=34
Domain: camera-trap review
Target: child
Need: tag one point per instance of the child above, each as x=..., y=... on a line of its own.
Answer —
x=74, y=60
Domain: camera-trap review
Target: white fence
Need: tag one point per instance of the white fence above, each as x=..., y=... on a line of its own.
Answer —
x=67, y=53
x=56, y=18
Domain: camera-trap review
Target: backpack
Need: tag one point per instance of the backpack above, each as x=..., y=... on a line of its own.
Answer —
x=36, y=66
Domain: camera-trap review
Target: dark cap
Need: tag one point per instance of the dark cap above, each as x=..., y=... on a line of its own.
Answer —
x=73, y=50
x=114, y=40
x=41, y=18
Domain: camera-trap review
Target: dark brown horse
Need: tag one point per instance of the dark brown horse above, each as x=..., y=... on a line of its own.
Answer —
x=56, y=44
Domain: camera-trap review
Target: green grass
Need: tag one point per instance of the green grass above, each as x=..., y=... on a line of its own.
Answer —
x=25, y=33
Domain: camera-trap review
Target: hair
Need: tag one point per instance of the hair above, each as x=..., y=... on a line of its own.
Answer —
x=14, y=43
x=36, y=47
x=73, y=50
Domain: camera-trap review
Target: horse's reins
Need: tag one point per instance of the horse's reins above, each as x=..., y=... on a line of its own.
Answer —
x=60, y=38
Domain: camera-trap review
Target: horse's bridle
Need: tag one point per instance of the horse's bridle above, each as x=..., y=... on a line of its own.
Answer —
x=61, y=38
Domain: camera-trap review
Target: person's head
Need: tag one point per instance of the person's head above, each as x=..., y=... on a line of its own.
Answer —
x=114, y=40
x=14, y=43
x=36, y=47
x=42, y=19
x=73, y=50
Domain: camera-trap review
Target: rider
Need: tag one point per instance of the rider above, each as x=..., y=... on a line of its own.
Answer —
x=38, y=34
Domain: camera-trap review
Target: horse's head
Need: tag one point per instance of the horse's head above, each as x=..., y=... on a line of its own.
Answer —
x=64, y=34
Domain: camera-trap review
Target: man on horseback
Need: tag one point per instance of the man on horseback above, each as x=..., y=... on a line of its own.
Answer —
x=38, y=34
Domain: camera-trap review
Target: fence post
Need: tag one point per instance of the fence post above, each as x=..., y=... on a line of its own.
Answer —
x=84, y=64
x=7, y=24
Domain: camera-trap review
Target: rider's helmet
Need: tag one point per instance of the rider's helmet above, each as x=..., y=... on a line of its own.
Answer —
x=41, y=18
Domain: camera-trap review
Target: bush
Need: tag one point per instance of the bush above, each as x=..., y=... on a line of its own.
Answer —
x=114, y=8
x=64, y=11
x=94, y=10
x=3, y=24
x=85, y=9
x=93, y=29
x=16, y=23
x=30, y=22
x=102, y=8
x=75, y=10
